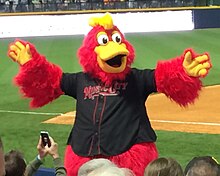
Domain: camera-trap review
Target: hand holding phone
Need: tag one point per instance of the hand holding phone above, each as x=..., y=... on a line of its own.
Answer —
x=45, y=138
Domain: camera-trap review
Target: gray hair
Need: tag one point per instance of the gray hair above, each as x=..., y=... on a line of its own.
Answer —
x=110, y=171
x=93, y=164
x=102, y=167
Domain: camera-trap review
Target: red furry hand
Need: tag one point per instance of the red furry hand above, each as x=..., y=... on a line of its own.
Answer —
x=198, y=66
x=19, y=52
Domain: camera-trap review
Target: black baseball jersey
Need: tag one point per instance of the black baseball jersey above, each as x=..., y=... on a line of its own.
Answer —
x=109, y=120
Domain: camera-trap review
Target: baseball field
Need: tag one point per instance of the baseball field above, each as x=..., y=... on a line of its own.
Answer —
x=182, y=132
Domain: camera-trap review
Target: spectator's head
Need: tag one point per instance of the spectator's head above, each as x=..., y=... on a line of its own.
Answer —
x=111, y=171
x=15, y=164
x=2, y=160
x=163, y=167
x=202, y=166
x=102, y=167
x=93, y=164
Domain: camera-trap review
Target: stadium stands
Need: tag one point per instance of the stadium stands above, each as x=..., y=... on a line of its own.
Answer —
x=76, y=5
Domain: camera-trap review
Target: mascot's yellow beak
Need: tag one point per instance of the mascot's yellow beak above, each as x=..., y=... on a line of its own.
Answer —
x=112, y=58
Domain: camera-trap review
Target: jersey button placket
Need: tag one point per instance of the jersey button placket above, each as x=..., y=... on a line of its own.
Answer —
x=97, y=123
x=98, y=114
x=98, y=118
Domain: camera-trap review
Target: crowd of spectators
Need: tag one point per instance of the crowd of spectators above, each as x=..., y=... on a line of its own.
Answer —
x=13, y=163
x=32, y=5
x=11, y=6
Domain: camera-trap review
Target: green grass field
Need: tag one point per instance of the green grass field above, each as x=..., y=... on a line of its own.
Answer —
x=20, y=125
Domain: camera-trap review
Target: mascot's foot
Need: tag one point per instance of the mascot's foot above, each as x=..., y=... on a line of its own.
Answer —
x=136, y=159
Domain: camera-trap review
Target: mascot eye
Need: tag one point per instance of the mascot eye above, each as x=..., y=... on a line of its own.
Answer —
x=103, y=39
x=116, y=38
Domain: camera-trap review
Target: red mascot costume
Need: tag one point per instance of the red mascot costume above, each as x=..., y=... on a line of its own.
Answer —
x=111, y=118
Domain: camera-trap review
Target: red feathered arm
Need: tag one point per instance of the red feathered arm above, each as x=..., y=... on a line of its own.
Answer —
x=174, y=82
x=39, y=80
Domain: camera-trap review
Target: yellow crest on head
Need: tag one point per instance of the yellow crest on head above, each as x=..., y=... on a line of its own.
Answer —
x=104, y=21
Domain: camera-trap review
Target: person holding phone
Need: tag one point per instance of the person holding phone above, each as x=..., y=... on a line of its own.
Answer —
x=45, y=138
x=44, y=148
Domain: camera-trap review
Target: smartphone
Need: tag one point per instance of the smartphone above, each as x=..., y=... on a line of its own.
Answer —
x=45, y=138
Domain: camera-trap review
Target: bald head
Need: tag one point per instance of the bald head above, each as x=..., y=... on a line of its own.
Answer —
x=202, y=166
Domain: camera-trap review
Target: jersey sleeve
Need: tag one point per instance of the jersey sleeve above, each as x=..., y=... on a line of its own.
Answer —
x=68, y=84
x=145, y=80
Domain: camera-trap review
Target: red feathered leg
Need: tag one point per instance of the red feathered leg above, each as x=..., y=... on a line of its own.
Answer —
x=137, y=157
x=172, y=80
x=72, y=162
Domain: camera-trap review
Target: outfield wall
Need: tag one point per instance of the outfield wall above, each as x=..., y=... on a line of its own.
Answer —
x=55, y=24
x=206, y=18
x=76, y=24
